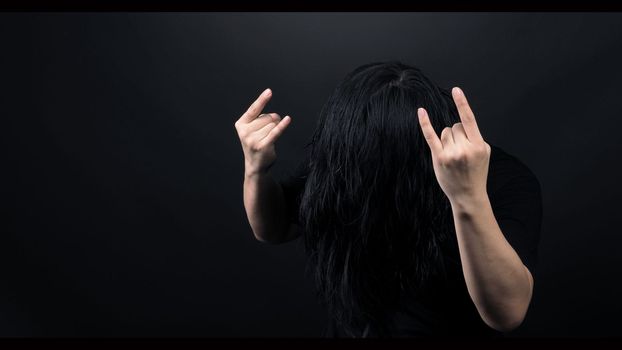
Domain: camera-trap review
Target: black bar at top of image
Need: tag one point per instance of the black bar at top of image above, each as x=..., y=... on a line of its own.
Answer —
x=309, y=5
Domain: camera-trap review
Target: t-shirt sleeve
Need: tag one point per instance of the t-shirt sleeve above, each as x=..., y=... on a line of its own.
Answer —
x=293, y=186
x=517, y=206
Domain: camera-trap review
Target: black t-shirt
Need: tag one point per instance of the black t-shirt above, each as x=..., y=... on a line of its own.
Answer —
x=515, y=196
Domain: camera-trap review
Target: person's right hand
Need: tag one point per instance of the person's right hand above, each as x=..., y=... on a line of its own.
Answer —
x=257, y=133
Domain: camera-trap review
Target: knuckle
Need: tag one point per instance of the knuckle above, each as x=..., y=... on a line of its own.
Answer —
x=456, y=157
x=460, y=156
x=255, y=147
x=485, y=148
x=444, y=160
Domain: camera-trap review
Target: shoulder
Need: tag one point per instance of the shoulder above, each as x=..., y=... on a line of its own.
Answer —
x=514, y=192
x=508, y=173
x=297, y=175
x=293, y=185
x=515, y=196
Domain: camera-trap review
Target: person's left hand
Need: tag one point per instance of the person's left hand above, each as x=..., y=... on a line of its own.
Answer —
x=461, y=156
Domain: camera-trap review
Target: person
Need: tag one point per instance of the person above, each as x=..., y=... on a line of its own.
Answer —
x=413, y=224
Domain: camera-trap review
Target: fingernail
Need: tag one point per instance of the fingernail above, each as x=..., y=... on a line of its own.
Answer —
x=267, y=91
x=457, y=91
x=420, y=112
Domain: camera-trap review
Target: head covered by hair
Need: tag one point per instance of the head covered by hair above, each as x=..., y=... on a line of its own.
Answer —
x=373, y=214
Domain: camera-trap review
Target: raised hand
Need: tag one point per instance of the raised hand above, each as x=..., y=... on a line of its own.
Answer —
x=258, y=132
x=461, y=156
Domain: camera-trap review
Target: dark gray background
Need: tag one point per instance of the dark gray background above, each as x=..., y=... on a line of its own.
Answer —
x=122, y=172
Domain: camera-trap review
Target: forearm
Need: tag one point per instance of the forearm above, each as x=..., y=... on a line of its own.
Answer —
x=264, y=203
x=498, y=282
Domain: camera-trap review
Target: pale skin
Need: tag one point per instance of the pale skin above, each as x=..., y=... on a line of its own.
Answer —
x=498, y=282
x=263, y=197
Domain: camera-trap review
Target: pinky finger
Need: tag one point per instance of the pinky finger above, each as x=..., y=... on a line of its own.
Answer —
x=276, y=132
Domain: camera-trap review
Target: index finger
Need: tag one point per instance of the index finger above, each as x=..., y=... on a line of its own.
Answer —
x=466, y=115
x=257, y=106
x=428, y=131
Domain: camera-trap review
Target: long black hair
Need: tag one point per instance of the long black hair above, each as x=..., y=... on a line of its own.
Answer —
x=373, y=214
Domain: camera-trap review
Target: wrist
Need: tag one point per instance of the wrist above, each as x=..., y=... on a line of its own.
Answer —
x=256, y=167
x=253, y=173
x=470, y=204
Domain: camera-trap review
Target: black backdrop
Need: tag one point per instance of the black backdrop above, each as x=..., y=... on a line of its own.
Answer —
x=122, y=172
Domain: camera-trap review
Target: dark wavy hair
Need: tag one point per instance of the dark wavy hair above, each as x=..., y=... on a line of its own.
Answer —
x=373, y=214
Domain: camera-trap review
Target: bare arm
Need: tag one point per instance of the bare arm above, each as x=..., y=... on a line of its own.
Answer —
x=263, y=197
x=498, y=282
x=265, y=208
